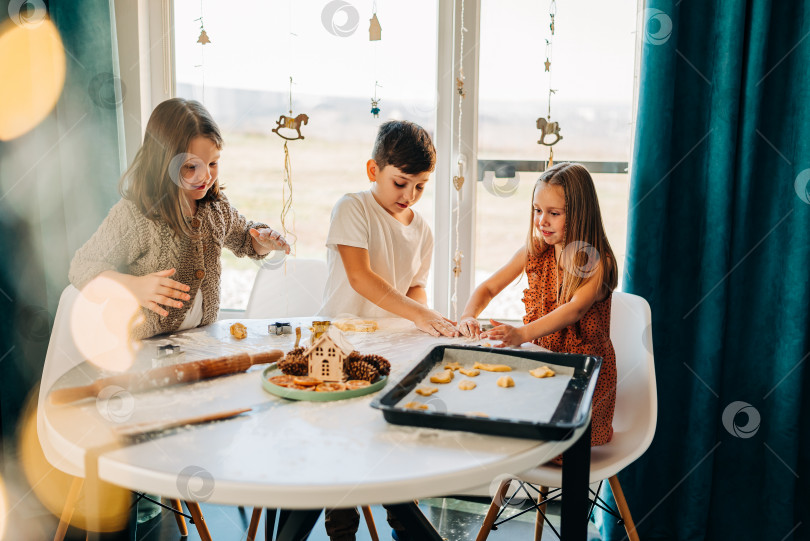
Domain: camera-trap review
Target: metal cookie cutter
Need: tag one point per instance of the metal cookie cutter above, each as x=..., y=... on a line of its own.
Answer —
x=279, y=327
x=168, y=354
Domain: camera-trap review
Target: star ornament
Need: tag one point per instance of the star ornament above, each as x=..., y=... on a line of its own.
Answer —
x=547, y=64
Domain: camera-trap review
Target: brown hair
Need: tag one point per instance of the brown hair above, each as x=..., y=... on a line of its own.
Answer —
x=151, y=182
x=585, y=243
x=406, y=146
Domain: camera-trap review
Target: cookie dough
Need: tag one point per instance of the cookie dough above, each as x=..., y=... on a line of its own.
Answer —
x=238, y=331
x=452, y=365
x=356, y=325
x=466, y=385
x=445, y=376
x=542, y=372
x=427, y=391
x=493, y=367
x=415, y=406
x=469, y=372
x=505, y=381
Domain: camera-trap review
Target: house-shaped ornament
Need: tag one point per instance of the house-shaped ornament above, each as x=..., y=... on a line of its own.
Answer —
x=326, y=355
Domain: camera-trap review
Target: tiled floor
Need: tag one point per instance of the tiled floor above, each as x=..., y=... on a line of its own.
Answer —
x=454, y=519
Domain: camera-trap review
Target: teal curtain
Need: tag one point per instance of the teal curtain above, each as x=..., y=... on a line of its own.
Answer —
x=719, y=244
x=56, y=184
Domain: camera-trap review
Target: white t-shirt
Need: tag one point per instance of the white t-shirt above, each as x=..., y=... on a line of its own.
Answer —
x=398, y=253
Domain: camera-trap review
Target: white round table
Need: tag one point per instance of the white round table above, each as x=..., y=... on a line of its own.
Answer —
x=285, y=454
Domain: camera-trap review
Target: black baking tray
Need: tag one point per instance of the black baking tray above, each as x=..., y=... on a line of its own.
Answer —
x=571, y=412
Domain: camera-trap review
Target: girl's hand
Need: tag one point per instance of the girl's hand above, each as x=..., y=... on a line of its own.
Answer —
x=469, y=327
x=435, y=324
x=156, y=289
x=269, y=239
x=507, y=334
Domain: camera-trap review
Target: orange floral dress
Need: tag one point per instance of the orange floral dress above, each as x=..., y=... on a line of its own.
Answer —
x=590, y=335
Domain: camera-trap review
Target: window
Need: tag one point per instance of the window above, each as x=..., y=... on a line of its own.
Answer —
x=243, y=77
x=592, y=67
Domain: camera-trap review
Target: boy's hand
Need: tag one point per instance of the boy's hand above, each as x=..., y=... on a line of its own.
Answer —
x=507, y=334
x=469, y=327
x=156, y=289
x=269, y=240
x=435, y=324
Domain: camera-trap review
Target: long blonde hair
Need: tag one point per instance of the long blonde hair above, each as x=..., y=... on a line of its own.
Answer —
x=152, y=181
x=585, y=243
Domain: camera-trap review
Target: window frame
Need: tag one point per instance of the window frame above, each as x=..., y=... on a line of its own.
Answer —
x=145, y=40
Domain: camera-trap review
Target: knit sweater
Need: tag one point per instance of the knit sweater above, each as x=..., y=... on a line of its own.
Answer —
x=130, y=243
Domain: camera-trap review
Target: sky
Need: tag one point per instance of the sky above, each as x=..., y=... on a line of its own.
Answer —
x=259, y=44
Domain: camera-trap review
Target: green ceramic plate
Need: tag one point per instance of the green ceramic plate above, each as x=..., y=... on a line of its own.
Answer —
x=313, y=396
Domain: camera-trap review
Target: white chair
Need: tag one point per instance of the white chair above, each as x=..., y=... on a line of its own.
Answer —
x=633, y=422
x=62, y=356
x=294, y=289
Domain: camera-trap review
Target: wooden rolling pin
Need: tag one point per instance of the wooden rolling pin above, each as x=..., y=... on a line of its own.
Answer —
x=168, y=375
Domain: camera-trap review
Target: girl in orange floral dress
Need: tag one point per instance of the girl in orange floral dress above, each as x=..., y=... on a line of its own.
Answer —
x=572, y=273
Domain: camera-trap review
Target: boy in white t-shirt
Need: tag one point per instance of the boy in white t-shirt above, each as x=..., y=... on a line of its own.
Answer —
x=379, y=250
x=379, y=253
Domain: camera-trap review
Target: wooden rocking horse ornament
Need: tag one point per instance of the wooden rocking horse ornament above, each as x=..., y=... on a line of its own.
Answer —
x=286, y=122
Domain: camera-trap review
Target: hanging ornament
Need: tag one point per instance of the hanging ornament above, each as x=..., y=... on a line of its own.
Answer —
x=549, y=131
x=374, y=28
x=458, y=179
x=289, y=123
x=203, y=39
x=457, y=264
x=375, y=101
x=375, y=34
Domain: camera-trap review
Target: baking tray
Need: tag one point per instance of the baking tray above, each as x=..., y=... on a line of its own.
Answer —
x=543, y=409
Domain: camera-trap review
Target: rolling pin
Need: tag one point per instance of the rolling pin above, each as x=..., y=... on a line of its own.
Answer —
x=168, y=375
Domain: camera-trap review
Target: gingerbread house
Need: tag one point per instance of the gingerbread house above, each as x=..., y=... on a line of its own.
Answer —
x=326, y=354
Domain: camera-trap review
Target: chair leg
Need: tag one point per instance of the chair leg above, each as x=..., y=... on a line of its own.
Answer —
x=624, y=511
x=67, y=510
x=372, y=529
x=539, y=519
x=199, y=521
x=492, y=512
x=254, y=523
x=181, y=520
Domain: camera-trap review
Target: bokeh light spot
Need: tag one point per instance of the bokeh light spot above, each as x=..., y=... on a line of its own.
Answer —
x=32, y=68
x=104, y=314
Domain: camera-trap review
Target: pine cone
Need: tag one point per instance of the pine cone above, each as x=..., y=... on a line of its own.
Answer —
x=353, y=356
x=380, y=363
x=359, y=369
x=294, y=363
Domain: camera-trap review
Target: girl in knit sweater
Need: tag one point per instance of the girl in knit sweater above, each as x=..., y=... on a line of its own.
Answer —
x=163, y=239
